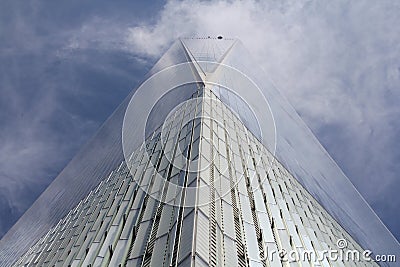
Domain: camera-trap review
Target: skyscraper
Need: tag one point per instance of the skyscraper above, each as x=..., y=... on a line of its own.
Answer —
x=205, y=164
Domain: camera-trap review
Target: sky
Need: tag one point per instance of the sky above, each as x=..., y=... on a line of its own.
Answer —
x=64, y=68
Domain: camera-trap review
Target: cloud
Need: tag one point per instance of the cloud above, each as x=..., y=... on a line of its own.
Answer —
x=96, y=33
x=53, y=97
x=34, y=126
x=337, y=62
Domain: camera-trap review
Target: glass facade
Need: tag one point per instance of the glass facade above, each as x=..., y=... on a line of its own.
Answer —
x=213, y=168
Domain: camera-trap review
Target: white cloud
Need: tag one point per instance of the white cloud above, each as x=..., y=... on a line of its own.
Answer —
x=96, y=33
